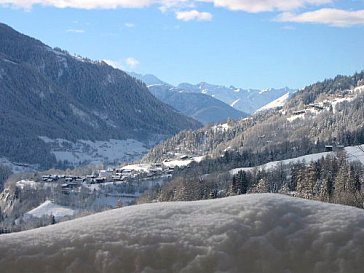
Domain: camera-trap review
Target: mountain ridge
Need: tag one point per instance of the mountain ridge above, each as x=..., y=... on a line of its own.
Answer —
x=47, y=92
x=201, y=107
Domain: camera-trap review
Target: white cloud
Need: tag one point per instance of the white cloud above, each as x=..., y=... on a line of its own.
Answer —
x=292, y=10
x=255, y=6
x=132, y=62
x=243, y=5
x=84, y=4
x=114, y=64
x=129, y=25
x=193, y=15
x=248, y=233
x=73, y=30
x=332, y=17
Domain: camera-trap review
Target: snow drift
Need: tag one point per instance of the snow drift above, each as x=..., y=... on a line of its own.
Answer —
x=251, y=233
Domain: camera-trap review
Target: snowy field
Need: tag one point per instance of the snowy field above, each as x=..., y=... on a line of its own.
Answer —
x=86, y=151
x=248, y=233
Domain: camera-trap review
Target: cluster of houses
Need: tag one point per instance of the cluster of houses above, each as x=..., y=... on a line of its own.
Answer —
x=315, y=107
x=120, y=175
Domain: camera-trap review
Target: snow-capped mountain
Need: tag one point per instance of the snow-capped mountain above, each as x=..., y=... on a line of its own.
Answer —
x=201, y=107
x=245, y=100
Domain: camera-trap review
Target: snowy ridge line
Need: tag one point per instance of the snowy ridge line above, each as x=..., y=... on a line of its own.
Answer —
x=252, y=233
x=353, y=152
x=280, y=102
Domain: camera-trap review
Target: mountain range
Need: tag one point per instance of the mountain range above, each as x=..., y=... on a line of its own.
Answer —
x=204, y=108
x=49, y=93
x=209, y=103
x=245, y=100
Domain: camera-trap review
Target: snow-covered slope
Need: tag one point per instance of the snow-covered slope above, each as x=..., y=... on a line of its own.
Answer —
x=50, y=208
x=276, y=103
x=251, y=233
x=354, y=153
x=96, y=152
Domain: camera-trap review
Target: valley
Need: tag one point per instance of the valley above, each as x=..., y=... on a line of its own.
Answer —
x=103, y=170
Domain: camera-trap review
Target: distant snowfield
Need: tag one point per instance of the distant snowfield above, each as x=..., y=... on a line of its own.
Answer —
x=49, y=208
x=247, y=233
x=353, y=152
x=280, y=102
x=86, y=151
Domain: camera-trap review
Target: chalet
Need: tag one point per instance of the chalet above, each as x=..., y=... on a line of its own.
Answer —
x=69, y=186
x=329, y=148
x=156, y=170
x=45, y=177
x=127, y=172
x=316, y=106
x=116, y=176
x=106, y=173
x=100, y=179
x=299, y=112
x=69, y=179
x=80, y=179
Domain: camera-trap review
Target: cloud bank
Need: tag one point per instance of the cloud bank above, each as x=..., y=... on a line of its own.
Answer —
x=294, y=11
x=252, y=233
x=244, y=5
x=266, y=5
x=332, y=17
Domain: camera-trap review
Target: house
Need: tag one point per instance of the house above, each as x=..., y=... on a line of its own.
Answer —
x=100, y=179
x=66, y=187
x=299, y=112
x=340, y=147
x=106, y=173
x=329, y=148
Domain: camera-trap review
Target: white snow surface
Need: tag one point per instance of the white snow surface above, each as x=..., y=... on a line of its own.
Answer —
x=26, y=183
x=50, y=208
x=234, y=102
x=253, y=233
x=280, y=102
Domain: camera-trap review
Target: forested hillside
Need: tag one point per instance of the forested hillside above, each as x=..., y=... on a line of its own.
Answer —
x=48, y=92
x=326, y=116
x=334, y=116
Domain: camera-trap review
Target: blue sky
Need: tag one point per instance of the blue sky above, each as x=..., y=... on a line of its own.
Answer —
x=248, y=44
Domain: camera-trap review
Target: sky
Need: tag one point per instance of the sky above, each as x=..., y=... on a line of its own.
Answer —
x=247, y=44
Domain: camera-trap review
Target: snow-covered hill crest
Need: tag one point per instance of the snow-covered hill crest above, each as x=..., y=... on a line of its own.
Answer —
x=251, y=233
